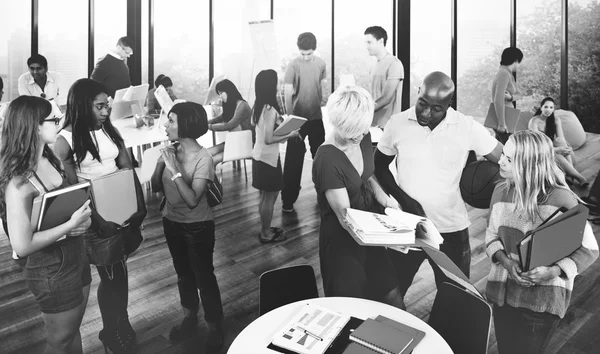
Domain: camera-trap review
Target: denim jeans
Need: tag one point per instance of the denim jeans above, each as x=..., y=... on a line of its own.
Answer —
x=520, y=330
x=191, y=246
x=456, y=246
x=294, y=159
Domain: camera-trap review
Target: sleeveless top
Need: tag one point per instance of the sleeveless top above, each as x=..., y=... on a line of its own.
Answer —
x=90, y=167
x=268, y=154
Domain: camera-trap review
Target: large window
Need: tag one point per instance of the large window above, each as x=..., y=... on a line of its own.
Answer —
x=145, y=40
x=430, y=41
x=538, y=36
x=233, y=46
x=351, y=20
x=15, y=44
x=293, y=18
x=584, y=76
x=483, y=32
x=181, y=38
x=63, y=40
x=110, y=24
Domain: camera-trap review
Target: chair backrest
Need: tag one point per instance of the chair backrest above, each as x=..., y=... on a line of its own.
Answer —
x=238, y=145
x=149, y=160
x=282, y=286
x=463, y=319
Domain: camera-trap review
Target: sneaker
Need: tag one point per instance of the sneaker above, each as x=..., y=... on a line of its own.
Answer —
x=287, y=208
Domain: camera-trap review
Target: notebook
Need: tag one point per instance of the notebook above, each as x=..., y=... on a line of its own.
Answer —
x=556, y=239
x=58, y=205
x=381, y=338
x=114, y=196
x=416, y=333
x=290, y=123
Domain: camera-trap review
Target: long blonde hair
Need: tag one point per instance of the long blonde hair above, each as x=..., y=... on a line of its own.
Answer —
x=535, y=171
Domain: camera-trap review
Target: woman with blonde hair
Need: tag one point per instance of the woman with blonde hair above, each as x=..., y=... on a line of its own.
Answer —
x=343, y=176
x=529, y=305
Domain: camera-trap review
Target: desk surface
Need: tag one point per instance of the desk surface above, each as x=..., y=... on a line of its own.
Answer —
x=257, y=335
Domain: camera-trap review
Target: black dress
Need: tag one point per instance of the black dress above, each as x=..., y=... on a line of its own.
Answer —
x=347, y=268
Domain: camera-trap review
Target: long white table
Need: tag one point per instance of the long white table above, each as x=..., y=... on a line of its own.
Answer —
x=257, y=335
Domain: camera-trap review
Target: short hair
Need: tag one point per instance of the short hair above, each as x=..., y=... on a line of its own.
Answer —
x=38, y=59
x=307, y=41
x=377, y=32
x=192, y=121
x=350, y=110
x=163, y=80
x=125, y=42
x=511, y=55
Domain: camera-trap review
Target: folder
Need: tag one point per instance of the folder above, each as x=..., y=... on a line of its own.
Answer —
x=555, y=239
x=58, y=205
x=290, y=123
x=511, y=117
x=381, y=338
x=114, y=196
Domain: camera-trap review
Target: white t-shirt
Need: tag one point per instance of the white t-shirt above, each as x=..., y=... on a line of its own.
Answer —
x=429, y=163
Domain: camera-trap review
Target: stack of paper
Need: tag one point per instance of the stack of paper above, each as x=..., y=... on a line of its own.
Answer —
x=379, y=229
x=311, y=330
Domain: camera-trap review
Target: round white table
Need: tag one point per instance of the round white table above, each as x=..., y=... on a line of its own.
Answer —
x=257, y=335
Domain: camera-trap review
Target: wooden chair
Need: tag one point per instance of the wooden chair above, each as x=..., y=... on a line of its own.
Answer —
x=282, y=286
x=238, y=146
x=462, y=318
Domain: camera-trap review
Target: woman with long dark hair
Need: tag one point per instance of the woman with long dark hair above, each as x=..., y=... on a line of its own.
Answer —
x=56, y=270
x=90, y=146
x=236, y=115
x=267, y=175
x=546, y=122
x=152, y=104
x=529, y=305
x=184, y=172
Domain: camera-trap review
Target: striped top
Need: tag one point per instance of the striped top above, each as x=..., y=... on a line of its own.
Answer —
x=506, y=227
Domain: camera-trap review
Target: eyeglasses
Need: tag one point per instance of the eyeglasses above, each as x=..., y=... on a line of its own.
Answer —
x=53, y=119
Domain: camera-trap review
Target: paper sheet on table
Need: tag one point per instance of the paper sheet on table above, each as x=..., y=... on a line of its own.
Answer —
x=311, y=330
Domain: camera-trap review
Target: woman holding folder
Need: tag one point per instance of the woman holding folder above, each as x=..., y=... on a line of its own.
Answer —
x=57, y=272
x=529, y=305
x=90, y=146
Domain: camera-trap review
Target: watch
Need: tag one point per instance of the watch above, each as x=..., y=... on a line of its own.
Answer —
x=175, y=176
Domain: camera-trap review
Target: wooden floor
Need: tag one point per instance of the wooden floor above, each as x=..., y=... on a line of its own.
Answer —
x=239, y=261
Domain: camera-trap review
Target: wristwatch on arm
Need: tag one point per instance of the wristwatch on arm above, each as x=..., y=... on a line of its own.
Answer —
x=175, y=176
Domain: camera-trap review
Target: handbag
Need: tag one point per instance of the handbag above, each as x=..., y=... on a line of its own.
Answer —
x=214, y=193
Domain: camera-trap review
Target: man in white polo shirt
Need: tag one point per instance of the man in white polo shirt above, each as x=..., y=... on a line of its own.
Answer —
x=431, y=142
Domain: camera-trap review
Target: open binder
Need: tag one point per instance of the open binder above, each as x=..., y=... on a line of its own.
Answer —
x=557, y=237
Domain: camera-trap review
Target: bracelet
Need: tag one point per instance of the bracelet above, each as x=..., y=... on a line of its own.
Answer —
x=177, y=175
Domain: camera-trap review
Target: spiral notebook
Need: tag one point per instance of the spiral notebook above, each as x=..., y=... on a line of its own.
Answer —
x=382, y=338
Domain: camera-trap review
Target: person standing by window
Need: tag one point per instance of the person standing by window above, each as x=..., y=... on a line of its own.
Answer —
x=505, y=91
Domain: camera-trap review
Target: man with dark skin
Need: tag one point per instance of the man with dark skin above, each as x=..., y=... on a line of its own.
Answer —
x=431, y=142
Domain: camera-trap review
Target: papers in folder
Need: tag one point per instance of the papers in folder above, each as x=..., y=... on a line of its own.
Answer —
x=395, y=228
x=311, y=330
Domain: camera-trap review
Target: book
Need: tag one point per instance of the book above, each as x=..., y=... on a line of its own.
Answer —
x=311, y=331
x=58, y=205
x=289, y=124
x=355, y=348
x=114, y=196
x=417, y=334
x=559, y=236
x=381, y=338
x=395, y=228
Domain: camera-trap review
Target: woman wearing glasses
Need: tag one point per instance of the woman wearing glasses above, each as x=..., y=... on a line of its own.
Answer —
x=56, y=270
x=90, y=146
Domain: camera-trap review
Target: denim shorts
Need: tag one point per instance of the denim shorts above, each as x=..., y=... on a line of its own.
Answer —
x=57, y=274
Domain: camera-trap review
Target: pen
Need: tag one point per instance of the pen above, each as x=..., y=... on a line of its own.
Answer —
x=310, y=333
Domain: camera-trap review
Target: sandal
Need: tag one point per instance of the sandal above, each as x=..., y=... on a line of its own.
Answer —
x=278, y=236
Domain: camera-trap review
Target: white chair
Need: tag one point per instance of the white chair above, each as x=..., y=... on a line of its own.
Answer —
x=149, y=160
x=238, y=146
